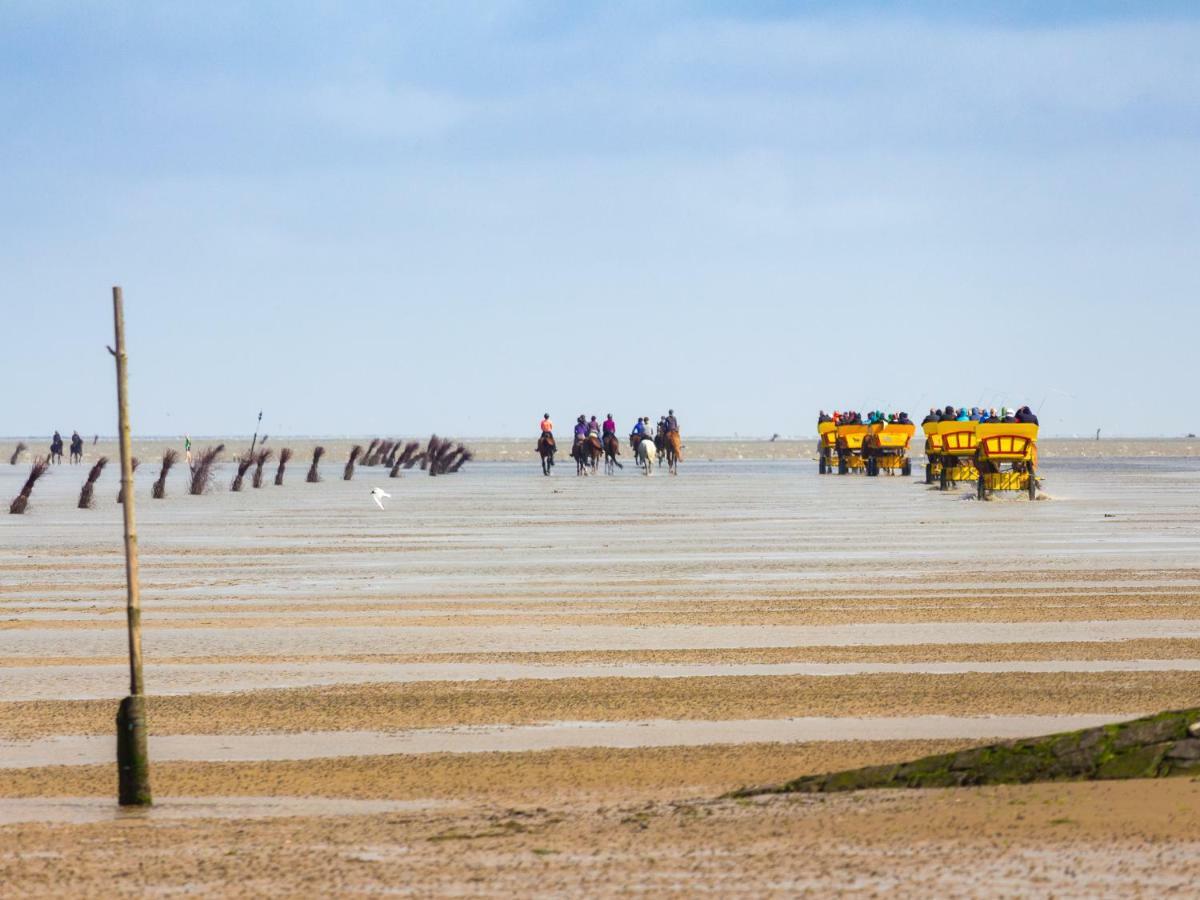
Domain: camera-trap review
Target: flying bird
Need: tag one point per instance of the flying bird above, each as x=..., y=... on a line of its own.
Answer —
x=377, y=494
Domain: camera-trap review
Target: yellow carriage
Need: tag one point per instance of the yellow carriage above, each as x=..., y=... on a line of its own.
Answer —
x=933, y=450
x=849, y=448
x=957, y=453
x=1006, y=458
x=885, y=448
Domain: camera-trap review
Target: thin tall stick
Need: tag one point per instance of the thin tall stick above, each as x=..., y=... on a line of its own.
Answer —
x=133, y=761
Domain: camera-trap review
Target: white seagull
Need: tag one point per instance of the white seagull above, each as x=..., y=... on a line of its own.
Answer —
x=377, y=494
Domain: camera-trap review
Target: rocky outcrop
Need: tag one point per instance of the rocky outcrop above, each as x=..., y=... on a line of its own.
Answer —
x=1153, y=747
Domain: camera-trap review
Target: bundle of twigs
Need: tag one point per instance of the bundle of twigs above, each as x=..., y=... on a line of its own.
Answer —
x=21, y=503
x=371, y=457
x=355, y=453
x=16, y=455
x=442, y=457
x=170, y=457
x=284, y=455
x=313, y=475
x=464, y=457
x=202, y=469
x=133, y=466
x=85, y=493
x=261, y=459
x=432, y=451
x=406, y=458
x=243, y=466
x=386, y=454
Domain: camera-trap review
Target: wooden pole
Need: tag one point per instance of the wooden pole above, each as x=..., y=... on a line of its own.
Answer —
x=133, y=761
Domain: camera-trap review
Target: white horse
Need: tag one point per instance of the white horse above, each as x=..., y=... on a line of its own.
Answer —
x=645, y=455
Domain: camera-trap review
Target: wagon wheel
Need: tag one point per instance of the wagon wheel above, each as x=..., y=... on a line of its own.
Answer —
x=980, y=490
x=821, y=464
x=1032, y=484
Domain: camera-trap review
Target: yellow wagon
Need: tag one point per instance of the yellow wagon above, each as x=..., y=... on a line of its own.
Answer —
x=849, y=447
x=957, y=454
x=1006, y=458
x=885, y=448
x=933, y=450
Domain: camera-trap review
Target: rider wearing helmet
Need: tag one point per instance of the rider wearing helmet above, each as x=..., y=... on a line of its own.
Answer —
x=547, y=434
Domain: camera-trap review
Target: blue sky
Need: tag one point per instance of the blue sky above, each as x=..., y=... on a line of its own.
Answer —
x=394, y=218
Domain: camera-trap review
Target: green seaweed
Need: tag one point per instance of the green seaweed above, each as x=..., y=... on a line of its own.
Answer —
x=1152, y=747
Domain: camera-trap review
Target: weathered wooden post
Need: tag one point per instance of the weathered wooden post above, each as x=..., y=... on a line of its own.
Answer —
x=133, y=762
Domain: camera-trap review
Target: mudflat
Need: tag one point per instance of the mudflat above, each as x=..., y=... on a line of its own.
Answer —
x=546, y=681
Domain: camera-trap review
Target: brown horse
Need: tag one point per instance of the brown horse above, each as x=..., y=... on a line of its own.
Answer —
x=546, y=449
x=674, y=447
x=587, y=452
x=612, y=449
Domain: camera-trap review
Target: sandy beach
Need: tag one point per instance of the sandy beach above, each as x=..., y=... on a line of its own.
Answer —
x=503, y=676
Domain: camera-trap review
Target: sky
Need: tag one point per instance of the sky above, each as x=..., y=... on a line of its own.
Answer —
x=396, y=218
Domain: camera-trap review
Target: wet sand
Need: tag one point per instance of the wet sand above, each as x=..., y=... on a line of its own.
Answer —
x=598, y=648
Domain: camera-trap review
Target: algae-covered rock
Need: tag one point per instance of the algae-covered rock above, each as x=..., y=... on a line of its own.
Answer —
x=1150, y=747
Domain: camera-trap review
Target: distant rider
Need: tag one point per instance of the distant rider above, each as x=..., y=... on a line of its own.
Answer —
x=547, y=427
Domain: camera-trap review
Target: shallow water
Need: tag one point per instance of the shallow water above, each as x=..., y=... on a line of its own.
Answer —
x=83, y=750
x=92, y=682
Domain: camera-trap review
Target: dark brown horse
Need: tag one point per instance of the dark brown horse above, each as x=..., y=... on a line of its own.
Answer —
x=612, y=449
x=546, y=449
x=587, y=452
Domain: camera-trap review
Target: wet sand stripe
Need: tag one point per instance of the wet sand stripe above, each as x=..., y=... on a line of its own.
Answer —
x=1133, y=649
x=329, y=639
x=446, y=704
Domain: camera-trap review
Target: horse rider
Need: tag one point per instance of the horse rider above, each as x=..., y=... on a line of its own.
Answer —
x=547, y=431
x=76, y=446
x=581, y=430
x=670, y=423
x=56, y=445
x=609, y=426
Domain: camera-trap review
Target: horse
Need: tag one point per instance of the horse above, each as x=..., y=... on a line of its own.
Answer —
x=644, y=450
x=612, y=449
x=587, y=452
x=76, y=449
x=660, y=446
x=546, y=450
x=674, y=447
x=56, y=448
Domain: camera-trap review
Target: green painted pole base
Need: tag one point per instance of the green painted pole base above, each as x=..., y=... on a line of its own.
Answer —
x=133, y=762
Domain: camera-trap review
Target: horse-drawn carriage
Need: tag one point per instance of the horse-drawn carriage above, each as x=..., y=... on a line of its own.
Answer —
x=848, y=445
x=1006, y=458
x=956, y=454
x=885, y=448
